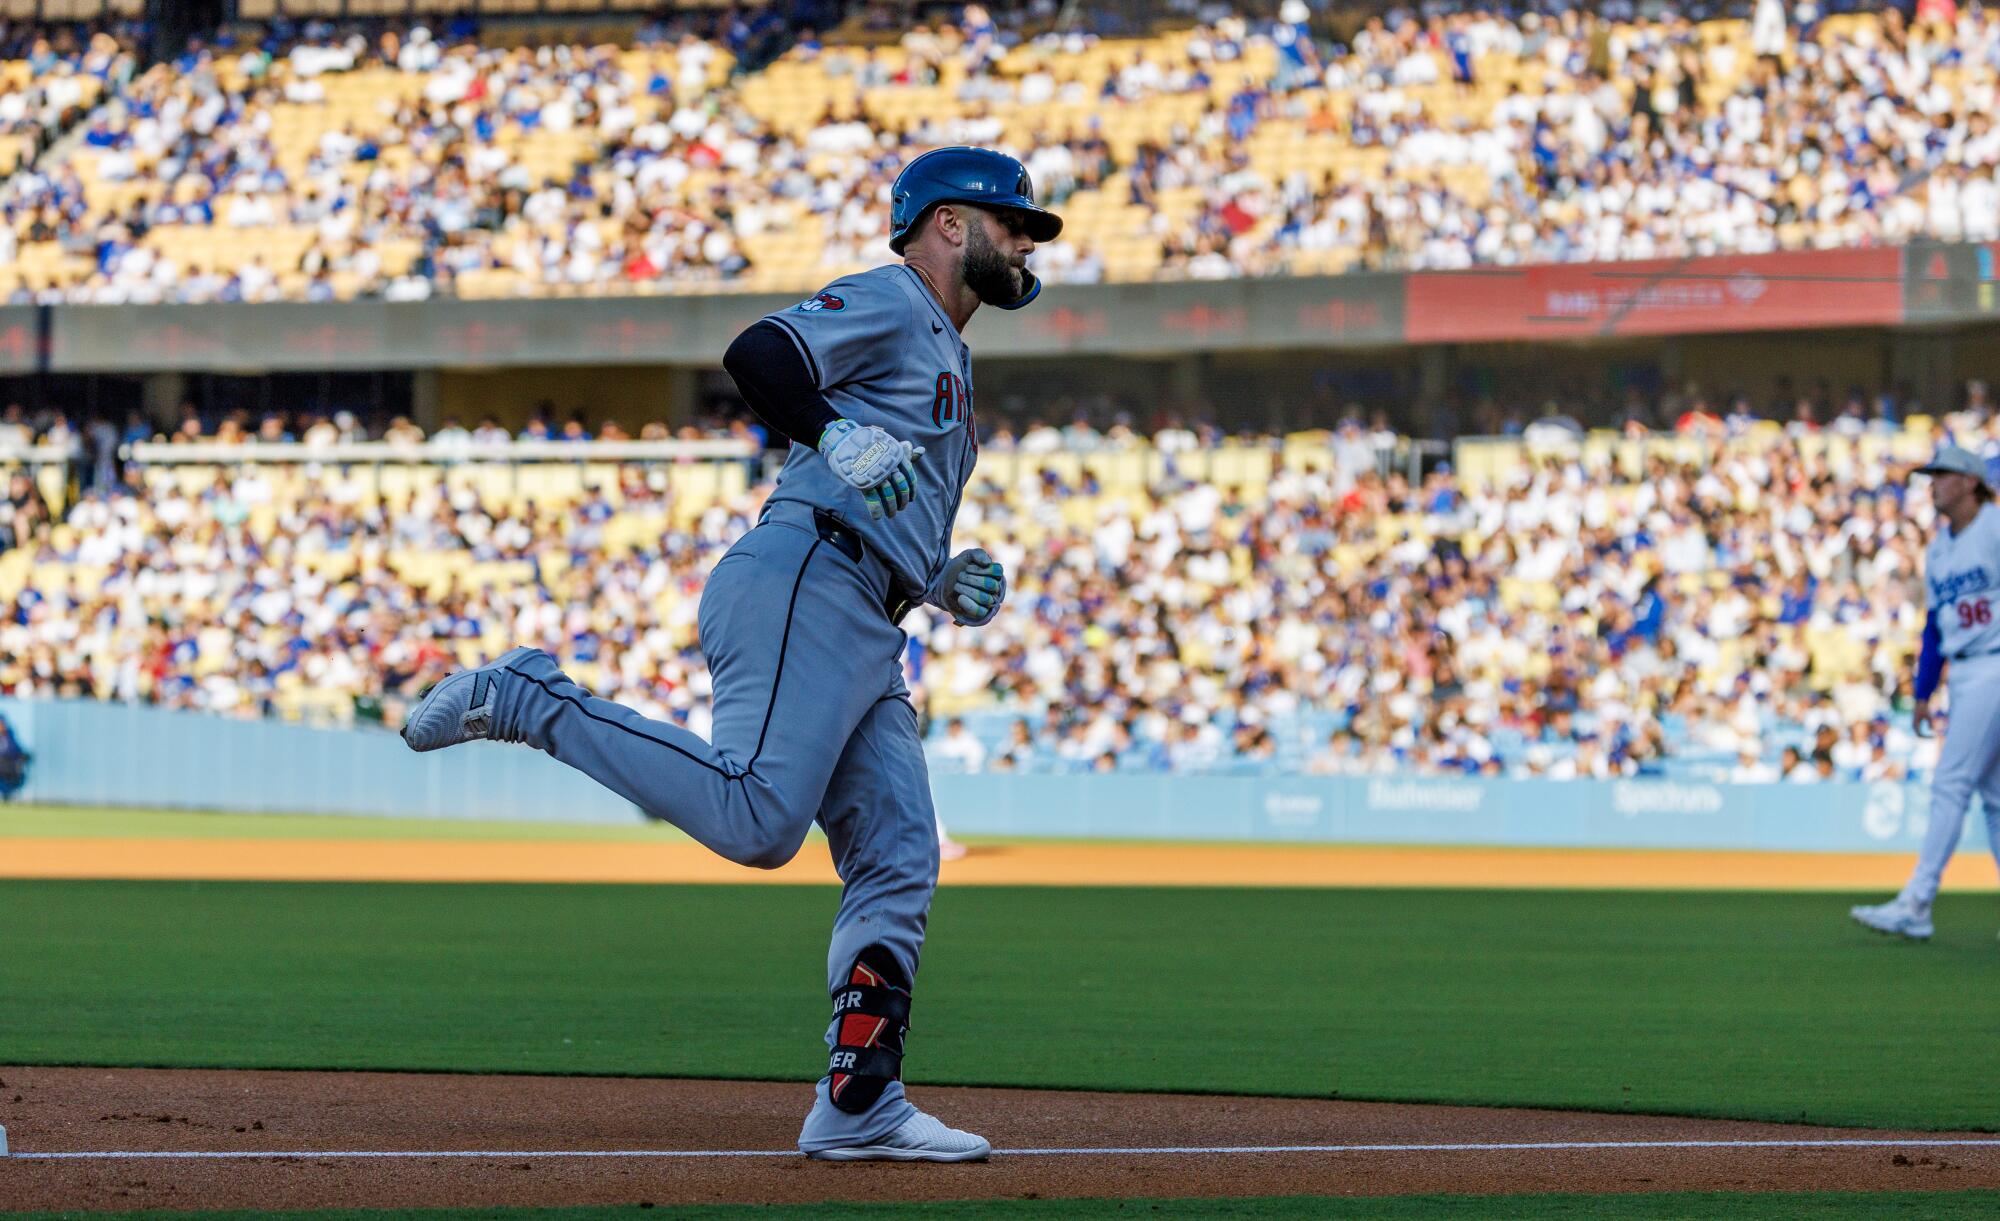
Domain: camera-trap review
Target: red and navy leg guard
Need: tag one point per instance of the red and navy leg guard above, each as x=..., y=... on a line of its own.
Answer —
x=872, y=1014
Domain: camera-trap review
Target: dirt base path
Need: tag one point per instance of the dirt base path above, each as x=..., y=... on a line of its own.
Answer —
x=743, y=1134
x=1048, y=864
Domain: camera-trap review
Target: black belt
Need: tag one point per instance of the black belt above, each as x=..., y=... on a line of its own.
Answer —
x=844, y=540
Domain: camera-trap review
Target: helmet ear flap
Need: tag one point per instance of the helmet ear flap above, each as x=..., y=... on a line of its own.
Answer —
x=1031, y=287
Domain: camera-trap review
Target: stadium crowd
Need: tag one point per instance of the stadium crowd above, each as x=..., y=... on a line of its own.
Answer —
x=1740, y=607
x=1458, y=135
x=62, y=71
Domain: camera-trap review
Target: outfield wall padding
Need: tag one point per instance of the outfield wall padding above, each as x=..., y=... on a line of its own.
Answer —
x=97, y=754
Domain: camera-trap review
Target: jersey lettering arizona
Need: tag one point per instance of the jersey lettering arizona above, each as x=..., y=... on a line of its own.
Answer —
x=951, y=401
x=1960, y=573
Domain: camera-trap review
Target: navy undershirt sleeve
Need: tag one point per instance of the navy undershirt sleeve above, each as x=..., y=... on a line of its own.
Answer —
x=1930, y=658
x=773, y=377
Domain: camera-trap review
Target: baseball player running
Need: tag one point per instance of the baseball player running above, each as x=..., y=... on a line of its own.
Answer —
x=812, y=723
x=1962, y=626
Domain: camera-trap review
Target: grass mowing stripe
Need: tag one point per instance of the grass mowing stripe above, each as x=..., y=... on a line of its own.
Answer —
x=1765, y=1006
x=1665, y=1206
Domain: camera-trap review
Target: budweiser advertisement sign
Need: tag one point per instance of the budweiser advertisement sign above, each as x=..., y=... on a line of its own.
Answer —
x=1794, y=290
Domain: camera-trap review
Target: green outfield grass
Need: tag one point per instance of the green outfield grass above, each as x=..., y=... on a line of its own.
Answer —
x=1676, y=1206
x=1768, y=1006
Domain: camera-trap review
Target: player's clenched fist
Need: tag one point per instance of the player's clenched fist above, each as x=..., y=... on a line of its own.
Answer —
x=868, y=459
x=972, y=587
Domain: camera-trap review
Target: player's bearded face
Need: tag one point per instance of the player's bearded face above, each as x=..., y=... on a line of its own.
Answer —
x=989, y=272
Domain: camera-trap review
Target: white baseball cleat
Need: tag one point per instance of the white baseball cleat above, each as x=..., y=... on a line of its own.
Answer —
x=1897, y=917
x=459, y=707
x=921, y=1138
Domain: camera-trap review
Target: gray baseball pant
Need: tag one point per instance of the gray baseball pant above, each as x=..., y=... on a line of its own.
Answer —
x=812, y=722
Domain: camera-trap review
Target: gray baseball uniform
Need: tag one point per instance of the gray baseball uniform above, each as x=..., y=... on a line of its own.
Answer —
x=884, y=353
x=812, y=721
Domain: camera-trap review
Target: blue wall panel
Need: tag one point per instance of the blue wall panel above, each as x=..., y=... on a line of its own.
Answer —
x=90, y=753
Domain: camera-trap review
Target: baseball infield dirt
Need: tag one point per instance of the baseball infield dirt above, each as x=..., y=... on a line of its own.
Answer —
x=303, y=1120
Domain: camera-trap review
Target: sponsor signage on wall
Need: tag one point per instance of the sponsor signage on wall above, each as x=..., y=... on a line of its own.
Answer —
x=1801, y=290
x=1794, y=290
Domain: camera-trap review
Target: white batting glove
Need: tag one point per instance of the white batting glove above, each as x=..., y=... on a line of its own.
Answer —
x=971, y=588
x=874, y=463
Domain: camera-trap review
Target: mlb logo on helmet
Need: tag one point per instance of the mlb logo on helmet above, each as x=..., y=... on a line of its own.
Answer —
x=822, y=301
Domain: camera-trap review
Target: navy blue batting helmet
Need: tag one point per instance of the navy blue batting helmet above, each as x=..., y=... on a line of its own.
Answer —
x=977, y=176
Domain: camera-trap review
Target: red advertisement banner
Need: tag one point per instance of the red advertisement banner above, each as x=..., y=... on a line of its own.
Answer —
x=1793, y=290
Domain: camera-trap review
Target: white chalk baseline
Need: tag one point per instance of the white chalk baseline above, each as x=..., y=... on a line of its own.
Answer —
x=1078, y=1151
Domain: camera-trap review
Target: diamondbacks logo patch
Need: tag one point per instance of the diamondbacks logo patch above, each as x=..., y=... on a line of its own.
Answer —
x=822, y=301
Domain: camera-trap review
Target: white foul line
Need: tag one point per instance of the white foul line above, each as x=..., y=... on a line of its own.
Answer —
x=175, y=1154
x=1081, y=1151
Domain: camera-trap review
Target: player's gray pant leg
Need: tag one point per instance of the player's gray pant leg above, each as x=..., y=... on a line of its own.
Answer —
x=882, y=828
x=799, y=648
x=811, y=721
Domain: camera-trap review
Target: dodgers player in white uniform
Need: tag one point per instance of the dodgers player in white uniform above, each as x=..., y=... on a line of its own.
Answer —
x=812, y=723
x=1961, y=637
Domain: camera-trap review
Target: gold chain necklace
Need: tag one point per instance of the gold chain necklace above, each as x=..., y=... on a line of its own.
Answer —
x=928, y=281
